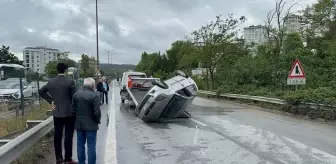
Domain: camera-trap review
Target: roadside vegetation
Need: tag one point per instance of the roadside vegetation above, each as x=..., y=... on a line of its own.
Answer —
x=232, y=66
x=12, y=125
x=18, y=124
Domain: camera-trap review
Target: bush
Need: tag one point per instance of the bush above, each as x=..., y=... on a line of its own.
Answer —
x=314, y=103
x=199, y=81
x=12, y=125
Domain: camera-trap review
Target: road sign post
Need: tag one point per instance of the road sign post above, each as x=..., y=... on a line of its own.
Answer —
x=296, y=75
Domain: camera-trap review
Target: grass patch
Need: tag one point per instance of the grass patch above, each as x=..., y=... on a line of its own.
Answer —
x=37, y=151
x=12, y=125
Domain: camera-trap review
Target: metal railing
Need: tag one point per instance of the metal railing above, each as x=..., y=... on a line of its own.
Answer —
x=264, y=99
x=13, y=148
x=246, y=97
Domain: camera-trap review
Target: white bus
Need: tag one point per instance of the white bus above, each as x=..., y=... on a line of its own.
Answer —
x=11, y=71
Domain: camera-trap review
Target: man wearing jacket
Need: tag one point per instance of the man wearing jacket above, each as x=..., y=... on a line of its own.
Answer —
x=61, y=89
x=100, y=89
x=106, y=89
x=86, y=110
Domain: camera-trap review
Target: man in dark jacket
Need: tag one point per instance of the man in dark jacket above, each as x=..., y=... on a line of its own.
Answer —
x=86, y=109
x=59, y=91
x=100, y=89
x=106, y=89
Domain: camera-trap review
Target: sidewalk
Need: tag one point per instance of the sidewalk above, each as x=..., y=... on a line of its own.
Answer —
x=101, y=140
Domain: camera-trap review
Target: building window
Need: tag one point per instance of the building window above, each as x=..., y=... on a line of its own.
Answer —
x=37, y=61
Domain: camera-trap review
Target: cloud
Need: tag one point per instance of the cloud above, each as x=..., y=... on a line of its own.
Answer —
x=126, y=26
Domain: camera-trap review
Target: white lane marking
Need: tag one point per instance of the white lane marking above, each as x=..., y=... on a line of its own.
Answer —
x=111, y=148
x=198, y=122
x=195, y=139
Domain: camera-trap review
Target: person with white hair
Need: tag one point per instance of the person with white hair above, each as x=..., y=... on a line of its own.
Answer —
x=86, y=110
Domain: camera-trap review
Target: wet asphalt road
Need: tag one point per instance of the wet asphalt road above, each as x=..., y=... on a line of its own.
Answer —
x=220, y=133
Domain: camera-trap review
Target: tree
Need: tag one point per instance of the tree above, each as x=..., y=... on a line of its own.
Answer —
x=292, y=42
x=8, y=57
x=276, y=34
x=50, y=69
x=214, y=42
x=85, y=70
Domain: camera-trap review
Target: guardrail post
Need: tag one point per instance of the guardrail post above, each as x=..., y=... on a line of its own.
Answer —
x=49, y=112
x=14, y=148
x=4, y=141
x=32, y=123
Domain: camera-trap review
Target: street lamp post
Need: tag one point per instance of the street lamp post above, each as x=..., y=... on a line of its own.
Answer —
x=108, y=56
x=97, y=35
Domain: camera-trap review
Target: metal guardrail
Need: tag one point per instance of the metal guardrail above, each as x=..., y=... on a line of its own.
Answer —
x=246, y=97
x=264, y=99
x=15, y=147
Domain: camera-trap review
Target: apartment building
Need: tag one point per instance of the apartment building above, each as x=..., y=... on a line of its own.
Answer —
x=36, y=58
x=255, y=34
x=293, y=23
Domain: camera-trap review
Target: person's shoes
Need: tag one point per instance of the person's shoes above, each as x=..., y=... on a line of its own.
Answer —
x=59, y=161
x=71, y=162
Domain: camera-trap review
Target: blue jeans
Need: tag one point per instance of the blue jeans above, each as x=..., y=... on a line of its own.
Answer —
x=89, y=136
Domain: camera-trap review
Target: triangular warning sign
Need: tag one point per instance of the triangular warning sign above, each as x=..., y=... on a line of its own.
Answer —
x=297, y=70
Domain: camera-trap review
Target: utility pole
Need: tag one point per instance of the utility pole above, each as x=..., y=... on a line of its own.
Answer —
x=97, y=35
x=108, y=56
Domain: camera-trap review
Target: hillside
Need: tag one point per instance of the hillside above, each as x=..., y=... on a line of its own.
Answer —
x=117, y=66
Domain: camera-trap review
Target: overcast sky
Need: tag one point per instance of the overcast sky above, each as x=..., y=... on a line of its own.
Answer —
x=128, y=27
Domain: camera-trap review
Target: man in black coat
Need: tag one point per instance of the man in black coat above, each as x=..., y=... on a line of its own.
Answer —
x=59, y=91
x=106, y=90
x=86, y=109
x=100, y=89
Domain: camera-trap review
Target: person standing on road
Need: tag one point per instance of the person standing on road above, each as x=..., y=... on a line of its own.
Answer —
x=100, y=89
x=61, y=89
x=106, y=89
x=86, y=110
